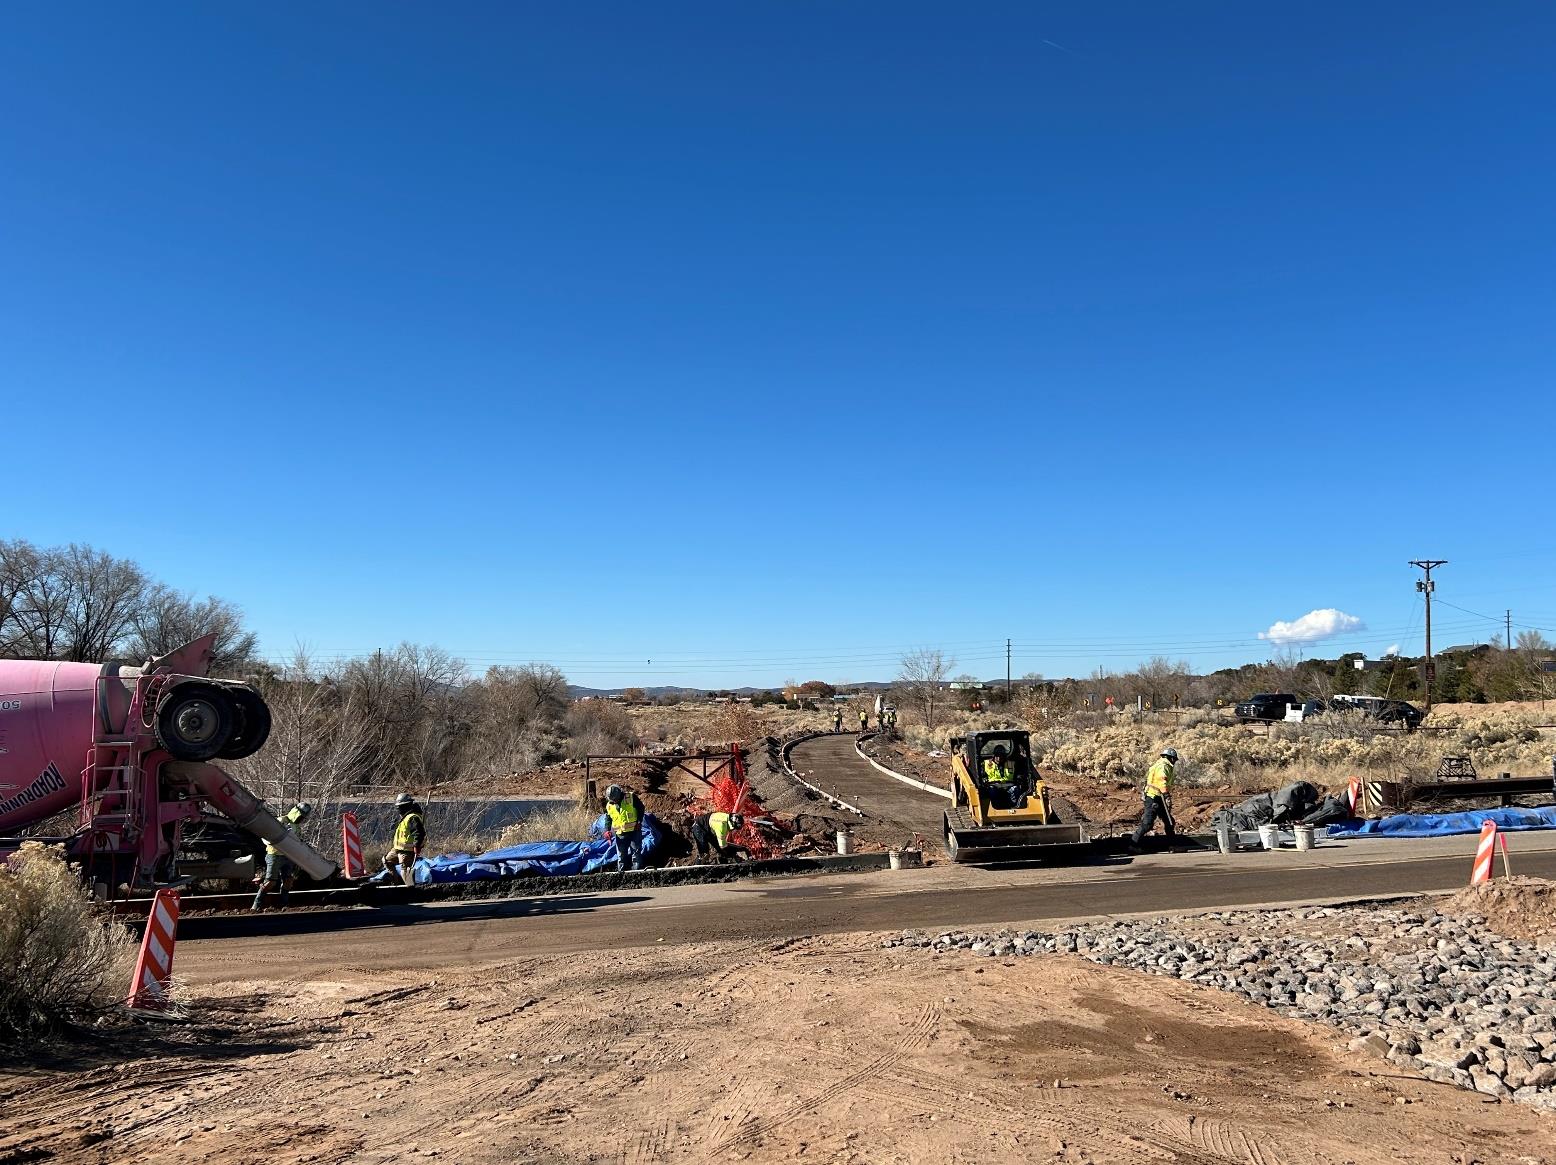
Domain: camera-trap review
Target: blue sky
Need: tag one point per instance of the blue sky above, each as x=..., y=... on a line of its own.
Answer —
x=769, y=340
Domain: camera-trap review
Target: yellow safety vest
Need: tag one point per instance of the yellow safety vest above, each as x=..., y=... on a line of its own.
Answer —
x=624, y=817
x=719, y=823
x=402, y=832
x=998, y=772
x=1158, y=781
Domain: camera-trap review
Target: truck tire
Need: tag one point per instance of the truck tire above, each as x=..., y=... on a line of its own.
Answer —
x=195, y=721
x=251, y=724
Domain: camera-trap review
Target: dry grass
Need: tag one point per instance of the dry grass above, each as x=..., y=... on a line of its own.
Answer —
x=61, y=960
x=563, y=823
x=1325, y=750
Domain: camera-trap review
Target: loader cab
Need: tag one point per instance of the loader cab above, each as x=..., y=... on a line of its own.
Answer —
x=970, y=773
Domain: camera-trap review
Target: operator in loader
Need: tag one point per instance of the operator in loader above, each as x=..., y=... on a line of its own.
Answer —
x=999, y=773
x=710, y=831
x=625, y=812
x=410, y=835
x=1158, y=797
x=279, y=872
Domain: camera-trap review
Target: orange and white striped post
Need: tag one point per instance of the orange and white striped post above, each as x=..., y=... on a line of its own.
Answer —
x=1353, y=796
x=1485, y=852
x=351, y=845
x=154, y=966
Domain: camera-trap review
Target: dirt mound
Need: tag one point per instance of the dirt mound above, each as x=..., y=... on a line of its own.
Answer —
x=1521, y=908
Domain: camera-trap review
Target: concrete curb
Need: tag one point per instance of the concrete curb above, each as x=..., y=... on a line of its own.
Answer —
x=788, y=767
x=875, y=764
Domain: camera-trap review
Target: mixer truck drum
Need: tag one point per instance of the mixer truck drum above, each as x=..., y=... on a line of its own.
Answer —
x=251, y=724
x=195, y=721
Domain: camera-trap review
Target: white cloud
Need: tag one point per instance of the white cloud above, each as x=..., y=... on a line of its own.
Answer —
x=1393, y=650
x=1324, y=623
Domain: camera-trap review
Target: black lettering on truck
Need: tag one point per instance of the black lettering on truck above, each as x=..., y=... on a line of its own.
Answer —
x=49, y=781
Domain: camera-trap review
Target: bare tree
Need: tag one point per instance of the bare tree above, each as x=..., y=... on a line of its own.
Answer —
x=167, y=620
x=321, y=741
x=18, y=567
x=921, y=676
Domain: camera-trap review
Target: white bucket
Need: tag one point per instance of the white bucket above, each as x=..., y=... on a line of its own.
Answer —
x=1304, y=834
x=1269, y=836
x=845, y=842
x=1224, y=841
x=894, y=859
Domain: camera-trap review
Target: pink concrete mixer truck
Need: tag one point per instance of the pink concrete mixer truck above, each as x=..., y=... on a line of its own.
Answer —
x=127, y=751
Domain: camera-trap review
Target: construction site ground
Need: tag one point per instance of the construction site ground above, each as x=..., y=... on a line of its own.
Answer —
x=763, y=1020
x=727, y=1024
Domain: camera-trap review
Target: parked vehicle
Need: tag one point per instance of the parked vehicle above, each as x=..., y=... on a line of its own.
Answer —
x=1266, y=707
x=1384, y=710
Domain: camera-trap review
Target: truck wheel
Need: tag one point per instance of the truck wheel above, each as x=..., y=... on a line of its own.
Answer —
x=195, y=722
x=251, y=724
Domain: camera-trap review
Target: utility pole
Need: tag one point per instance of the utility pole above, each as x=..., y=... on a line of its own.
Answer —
x=1508, y=642
x=1426, y=586
x=1007, y=671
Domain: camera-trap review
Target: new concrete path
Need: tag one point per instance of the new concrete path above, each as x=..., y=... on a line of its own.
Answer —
x=831, y=763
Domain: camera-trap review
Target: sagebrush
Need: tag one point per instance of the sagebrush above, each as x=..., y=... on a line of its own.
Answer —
x=62, y=961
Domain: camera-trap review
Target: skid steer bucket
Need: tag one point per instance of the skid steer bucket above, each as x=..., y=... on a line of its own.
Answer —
x=967, y=841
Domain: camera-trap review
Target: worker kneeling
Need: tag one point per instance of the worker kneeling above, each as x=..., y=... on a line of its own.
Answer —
x=279, y=872
x=625, y=811
x=710, y=833
x=410, y=835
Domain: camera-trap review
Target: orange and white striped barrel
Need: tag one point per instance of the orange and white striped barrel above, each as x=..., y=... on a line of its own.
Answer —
x=351, y=845
x=1484, y=853
x=154, y=966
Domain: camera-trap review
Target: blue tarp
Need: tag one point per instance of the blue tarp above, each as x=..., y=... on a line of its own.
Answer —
x=537, y=858
x=1446, y=824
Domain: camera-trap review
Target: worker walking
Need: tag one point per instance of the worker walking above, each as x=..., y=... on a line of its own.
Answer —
x=1158, y=797
x=625, y=812
x=279, y=871
x=710, y=832
x=410, y=835
x=837, y=720
x=864, y=720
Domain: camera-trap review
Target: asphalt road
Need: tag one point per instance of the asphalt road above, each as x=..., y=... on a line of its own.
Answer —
x=943, y=896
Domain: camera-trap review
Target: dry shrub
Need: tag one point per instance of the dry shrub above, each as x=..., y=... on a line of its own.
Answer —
x=599, y=728
x=61, y=960
x=562, y=823
x=739, y=723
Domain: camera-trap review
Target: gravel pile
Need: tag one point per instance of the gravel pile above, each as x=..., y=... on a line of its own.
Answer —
x=1428, y=992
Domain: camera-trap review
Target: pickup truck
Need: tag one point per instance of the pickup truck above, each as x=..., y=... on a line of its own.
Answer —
x=1266, y=707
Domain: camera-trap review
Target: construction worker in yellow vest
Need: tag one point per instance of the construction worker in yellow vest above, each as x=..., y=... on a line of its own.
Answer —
x=837, y=720
x=279, y=872
x=864, y=720
x=625, y=812
x=410, y=835
x=1158, y=797
x=999, y=773
x=711, y=833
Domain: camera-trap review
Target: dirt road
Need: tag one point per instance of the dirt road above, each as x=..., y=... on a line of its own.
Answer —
x=833, y=764
x=474, y=934
x=826, y=1049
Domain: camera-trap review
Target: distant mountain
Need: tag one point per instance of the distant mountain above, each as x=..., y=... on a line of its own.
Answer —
x=578, y=692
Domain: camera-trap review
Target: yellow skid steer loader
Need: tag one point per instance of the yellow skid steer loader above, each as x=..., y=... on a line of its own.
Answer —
x=1001, y=810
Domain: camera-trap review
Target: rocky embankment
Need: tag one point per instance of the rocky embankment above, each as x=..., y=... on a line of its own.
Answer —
x=1427, y=991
